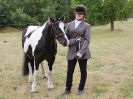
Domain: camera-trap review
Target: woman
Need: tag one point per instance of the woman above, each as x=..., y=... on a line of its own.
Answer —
x=78, y=33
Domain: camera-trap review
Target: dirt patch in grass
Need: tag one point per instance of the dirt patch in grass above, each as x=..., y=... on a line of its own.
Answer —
x=8, y=29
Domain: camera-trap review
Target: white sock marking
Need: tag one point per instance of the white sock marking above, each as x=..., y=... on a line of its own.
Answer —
x=30, y=73
x=50, y=83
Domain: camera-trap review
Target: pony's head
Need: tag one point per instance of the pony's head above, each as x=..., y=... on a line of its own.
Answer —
x=58, y=30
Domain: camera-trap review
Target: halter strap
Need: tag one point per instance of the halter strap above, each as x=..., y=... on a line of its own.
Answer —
x=56, y=36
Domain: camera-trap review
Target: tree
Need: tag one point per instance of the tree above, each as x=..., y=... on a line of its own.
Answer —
x=22, y=19
x=5, y=9
x=98, y=11
x=62, y=8
x=94, y=9
x=115, y=10
x=106, y=11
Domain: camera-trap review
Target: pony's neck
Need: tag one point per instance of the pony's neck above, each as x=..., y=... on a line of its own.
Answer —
x=48, y=34
x=50, y=42
x=47, y=31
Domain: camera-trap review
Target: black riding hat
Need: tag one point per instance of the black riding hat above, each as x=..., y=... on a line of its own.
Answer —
x=80, y=9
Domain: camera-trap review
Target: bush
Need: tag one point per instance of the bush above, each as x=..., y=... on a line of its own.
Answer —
x=21, y=19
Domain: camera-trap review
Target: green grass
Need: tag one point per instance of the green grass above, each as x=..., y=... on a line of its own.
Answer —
x=127, y=90
x=110, y=71
x=1, y=97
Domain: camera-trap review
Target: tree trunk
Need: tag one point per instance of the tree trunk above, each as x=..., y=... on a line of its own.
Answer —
x=67, y=12
x=112, y=25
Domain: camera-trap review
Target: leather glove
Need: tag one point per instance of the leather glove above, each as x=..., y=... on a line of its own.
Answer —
x=78, y=39
x=78, y=55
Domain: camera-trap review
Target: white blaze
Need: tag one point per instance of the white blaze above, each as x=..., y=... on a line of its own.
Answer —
x=61, y=26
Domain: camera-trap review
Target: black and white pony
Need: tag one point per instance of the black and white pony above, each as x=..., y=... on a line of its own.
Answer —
x=39, y=43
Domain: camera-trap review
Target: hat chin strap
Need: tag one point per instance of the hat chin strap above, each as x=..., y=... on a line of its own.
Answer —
x=79, y=19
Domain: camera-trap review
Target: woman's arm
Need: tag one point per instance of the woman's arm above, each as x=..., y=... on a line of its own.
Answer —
x=71, y=41
x=86, y=40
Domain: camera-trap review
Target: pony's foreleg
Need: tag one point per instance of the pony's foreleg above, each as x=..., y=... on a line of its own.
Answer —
x=34, y=84
x=50, y=64
x=30, y=80
x=50, y=83
x=43, y=71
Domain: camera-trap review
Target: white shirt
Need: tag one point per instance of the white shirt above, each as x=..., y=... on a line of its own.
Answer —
x=77, y=22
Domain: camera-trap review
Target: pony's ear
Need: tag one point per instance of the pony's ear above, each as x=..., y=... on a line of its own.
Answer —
x=51, y=20
x=62, y=18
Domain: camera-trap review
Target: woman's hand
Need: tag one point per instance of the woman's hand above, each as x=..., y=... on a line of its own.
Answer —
x=78, y=55
x=78, y=39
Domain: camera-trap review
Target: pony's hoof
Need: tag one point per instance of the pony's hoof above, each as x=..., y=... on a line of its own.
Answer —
x=45, y=77
x=34, y=91
x=50, y=87
x=29, y=81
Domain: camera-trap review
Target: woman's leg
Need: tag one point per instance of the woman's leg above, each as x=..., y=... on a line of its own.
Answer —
x=70, y=70
x=83, y=65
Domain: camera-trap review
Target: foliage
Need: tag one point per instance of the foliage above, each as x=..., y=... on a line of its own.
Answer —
x=5, y=9
x=20, y=18
x=106, y=11
x=37, y=11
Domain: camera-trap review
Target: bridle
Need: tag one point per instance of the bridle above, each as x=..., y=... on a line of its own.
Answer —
x=57, y=36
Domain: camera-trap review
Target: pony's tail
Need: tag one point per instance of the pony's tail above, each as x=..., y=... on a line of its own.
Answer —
x=25, y=69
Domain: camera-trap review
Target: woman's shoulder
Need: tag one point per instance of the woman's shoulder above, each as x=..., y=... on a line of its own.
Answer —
x=87, y=24
x=69, y=23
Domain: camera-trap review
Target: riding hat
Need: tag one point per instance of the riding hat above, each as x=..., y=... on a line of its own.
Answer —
x=80, y=9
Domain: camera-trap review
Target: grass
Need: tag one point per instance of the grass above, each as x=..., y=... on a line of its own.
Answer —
x=127, y=90
x=110, y=71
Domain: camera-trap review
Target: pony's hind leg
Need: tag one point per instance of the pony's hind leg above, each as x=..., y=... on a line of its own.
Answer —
x=44, y=73
x=50, y=64
x=30, y=80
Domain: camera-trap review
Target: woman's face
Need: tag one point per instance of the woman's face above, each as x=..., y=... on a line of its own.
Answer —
x=79, y=16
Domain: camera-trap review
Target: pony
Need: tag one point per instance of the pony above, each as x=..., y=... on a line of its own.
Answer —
x=39, y=44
